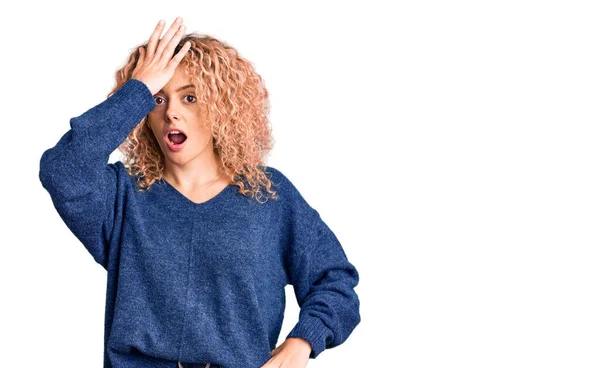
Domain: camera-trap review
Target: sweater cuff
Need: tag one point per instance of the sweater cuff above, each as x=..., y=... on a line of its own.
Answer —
x=136, y=96
x=312, y=330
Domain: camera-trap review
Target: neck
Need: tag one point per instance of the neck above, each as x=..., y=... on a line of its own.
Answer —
x=199, y=172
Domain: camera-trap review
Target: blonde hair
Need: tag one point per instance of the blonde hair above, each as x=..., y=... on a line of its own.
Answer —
x=237, y=104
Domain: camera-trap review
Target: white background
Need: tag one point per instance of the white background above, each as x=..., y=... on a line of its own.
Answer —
x=452, y=146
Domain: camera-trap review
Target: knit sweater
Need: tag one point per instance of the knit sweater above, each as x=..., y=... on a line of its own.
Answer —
x=194, y=282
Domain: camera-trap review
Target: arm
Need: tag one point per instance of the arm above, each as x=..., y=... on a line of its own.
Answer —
x=323, y=281
x=76, y=174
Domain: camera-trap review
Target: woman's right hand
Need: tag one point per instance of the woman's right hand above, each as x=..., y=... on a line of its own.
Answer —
x=156, y=65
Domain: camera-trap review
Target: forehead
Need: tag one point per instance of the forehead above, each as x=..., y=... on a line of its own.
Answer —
x=178, y=80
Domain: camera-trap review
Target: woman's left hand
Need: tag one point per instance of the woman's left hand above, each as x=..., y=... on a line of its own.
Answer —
x=294, y=352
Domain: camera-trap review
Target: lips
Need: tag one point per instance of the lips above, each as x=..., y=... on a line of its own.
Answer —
x=175, y=144
x=174, y=129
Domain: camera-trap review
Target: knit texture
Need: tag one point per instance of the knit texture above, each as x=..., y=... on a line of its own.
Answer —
x=194, y=282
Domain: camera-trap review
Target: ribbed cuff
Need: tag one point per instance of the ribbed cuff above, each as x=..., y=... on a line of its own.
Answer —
x=137, y=97
x=312, y=330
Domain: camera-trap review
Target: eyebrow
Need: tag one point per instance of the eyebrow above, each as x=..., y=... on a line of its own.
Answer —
x=179, y=89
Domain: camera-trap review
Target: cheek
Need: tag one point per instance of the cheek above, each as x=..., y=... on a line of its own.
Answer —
x=201, y=133
x=154, y=131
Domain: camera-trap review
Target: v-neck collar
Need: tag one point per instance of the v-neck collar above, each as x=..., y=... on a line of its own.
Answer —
x=216, y=198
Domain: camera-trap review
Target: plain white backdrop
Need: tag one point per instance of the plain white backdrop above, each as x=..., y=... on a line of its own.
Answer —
x=453, y=148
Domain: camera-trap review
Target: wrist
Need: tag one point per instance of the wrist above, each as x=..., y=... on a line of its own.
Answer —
x=302, y=344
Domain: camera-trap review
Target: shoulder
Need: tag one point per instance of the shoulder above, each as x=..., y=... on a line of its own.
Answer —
x=289, y=193
x=121, y=174
x=280, y=181
x=275, y=175
x=119, y=168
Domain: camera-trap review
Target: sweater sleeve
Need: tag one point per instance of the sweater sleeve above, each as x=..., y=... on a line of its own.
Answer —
x=76, y=173
x=323, y=281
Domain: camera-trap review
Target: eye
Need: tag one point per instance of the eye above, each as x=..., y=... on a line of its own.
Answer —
x=156, y=99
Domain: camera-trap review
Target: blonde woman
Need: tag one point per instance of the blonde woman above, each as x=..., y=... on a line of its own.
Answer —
x=198, y=236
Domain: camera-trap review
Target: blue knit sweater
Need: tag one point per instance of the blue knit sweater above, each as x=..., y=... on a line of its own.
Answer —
x=193, y=282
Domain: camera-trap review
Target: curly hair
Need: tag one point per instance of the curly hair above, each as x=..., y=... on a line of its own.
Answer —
x=237, y=104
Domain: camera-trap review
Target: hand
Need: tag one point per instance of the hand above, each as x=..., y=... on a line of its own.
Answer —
x=294, y=352
x=156, y=65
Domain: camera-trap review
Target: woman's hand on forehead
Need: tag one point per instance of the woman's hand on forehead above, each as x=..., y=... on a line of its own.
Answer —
x=156, y=64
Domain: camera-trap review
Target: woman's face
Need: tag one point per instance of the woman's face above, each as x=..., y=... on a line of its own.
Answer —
x=177, y=107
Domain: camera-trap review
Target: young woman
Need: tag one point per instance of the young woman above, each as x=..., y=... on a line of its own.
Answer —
x=199, y=238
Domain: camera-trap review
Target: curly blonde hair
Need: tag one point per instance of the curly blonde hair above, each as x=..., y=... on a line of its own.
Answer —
x=237, y=104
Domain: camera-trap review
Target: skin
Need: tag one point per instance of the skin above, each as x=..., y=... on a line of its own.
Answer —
x=192, y=170
x=294, y=352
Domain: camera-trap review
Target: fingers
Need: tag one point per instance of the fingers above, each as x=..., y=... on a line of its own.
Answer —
x=177, y=58
x=140, y=60
x=154, y=38
x=164, y=41
x=168, y=52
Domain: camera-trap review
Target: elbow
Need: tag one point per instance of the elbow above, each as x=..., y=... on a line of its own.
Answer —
x=355, y=317
x=44, y=168
x=351, y=314
x=48, y=169
x=52, y=174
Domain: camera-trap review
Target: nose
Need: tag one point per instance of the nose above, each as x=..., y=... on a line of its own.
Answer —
x=173, y=112
x=171, y=116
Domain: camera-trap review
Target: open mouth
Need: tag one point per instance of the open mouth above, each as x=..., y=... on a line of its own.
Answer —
x=175, y=140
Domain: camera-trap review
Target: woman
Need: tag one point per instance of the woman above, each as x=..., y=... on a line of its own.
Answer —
x=197, y=256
